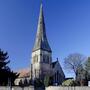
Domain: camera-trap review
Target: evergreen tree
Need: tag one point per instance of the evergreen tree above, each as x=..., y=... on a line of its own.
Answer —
x=7, y=76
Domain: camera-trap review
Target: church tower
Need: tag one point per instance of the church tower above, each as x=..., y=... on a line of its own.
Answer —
x=41, y=53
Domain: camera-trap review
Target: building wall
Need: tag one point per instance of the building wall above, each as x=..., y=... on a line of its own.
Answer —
x=58, y=68
x=60, y=77
x=41, y=67
x=17, y=81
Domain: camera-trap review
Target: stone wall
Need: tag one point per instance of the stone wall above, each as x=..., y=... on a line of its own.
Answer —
x=67, y=88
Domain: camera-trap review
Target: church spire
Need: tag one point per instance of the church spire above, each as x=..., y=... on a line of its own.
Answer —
x=41, y=38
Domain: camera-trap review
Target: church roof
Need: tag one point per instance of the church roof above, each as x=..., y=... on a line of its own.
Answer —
x=41, y=41
x=54, y=63
x=24, y=73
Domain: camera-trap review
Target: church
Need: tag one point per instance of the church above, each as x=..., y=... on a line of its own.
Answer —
x=41, y=58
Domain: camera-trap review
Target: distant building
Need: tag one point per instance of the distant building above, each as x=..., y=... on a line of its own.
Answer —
x=41, y=63
x=23, y=77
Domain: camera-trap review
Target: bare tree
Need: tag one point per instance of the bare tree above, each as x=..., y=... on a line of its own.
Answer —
x=74, y=62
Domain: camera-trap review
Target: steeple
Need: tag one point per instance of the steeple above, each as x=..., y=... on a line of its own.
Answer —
x=41, y=41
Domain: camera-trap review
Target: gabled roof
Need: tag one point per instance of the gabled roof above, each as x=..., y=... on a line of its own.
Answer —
x=41, y=41
x=54, y=63
x=24, y=73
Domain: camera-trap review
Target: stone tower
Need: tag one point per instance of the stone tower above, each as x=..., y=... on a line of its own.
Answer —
x=41, y=53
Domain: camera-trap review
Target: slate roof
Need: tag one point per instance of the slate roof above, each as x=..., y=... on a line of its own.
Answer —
x=41, y=41
x=54, y=63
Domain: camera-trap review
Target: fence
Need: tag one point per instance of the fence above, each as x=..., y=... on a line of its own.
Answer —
x=48, y=88
x=67, y=88
x=17, y=88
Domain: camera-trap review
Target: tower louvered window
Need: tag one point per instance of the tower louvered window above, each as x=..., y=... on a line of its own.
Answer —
x=45, y=59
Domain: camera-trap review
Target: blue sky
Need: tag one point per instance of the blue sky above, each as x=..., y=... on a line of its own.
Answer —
x=67, y=26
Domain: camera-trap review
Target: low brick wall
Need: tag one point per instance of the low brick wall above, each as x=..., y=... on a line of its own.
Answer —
x=67, y=88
